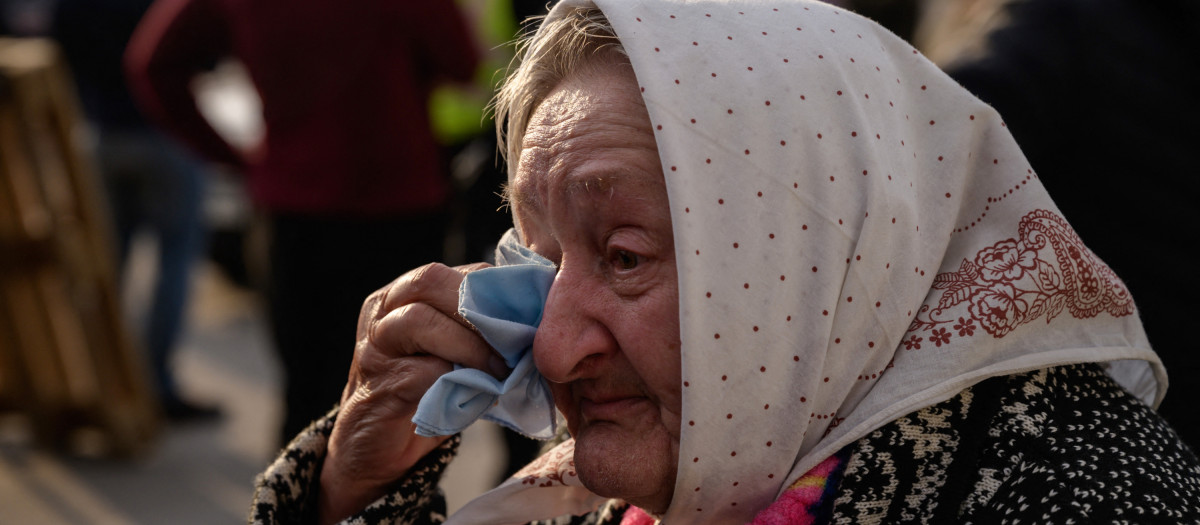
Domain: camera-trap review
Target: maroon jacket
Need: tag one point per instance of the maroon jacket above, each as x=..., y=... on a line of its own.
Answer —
x=344, y=88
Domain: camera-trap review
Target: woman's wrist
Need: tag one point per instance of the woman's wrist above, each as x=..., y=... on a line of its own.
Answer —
x=341, y=496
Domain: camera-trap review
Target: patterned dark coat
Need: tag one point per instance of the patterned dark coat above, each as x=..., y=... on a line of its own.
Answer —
x=1058, y=445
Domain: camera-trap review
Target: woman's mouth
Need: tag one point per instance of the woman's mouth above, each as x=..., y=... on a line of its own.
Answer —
x=610, y=408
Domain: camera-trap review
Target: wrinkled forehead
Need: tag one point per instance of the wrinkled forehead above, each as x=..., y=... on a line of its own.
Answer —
x=576, y=135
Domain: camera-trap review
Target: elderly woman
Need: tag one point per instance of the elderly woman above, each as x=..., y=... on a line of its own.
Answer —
x=798, y=276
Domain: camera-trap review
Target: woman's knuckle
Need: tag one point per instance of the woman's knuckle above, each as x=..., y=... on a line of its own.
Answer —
x=377, y=295
x=412, y=317
x=372, y=363
x=428, y=278
x=371, y=304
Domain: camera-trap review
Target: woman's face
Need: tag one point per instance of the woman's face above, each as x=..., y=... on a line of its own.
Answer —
x=589, y=194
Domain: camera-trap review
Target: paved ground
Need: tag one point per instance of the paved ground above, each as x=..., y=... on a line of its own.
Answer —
x=198, y=473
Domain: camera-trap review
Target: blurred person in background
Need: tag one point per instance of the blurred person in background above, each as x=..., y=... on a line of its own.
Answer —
x=349, y=176
x=1101, y=96
x=153, y=185
x=25, y=18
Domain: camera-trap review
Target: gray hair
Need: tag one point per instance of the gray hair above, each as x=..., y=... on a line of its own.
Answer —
x=561, y=47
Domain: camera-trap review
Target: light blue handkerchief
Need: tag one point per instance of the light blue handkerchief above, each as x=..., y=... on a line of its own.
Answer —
x=505, y=304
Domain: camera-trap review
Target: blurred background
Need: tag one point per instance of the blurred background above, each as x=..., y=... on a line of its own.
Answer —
x=182, y=183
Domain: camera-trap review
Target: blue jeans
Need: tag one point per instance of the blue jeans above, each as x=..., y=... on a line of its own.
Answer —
x=155, y=186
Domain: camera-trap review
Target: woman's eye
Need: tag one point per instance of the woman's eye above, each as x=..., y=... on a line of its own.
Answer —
x=626, y=260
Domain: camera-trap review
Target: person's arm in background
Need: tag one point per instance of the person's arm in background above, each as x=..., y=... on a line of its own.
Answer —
x=175, y=41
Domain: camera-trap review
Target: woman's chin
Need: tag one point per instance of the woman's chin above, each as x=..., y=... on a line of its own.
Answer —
x=636, y=465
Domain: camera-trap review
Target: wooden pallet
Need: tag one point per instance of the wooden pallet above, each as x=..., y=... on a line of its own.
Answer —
x=66, y=359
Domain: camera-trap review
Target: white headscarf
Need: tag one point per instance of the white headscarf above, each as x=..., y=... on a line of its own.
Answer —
x=857, y=236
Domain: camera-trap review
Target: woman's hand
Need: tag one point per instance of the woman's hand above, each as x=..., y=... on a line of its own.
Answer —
x=409, y=334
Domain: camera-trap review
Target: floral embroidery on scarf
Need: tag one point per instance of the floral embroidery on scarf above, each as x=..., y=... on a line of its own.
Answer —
x=551, y=468
x=1015, y=281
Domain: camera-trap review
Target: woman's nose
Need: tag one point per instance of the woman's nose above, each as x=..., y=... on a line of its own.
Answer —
x=572, y=340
